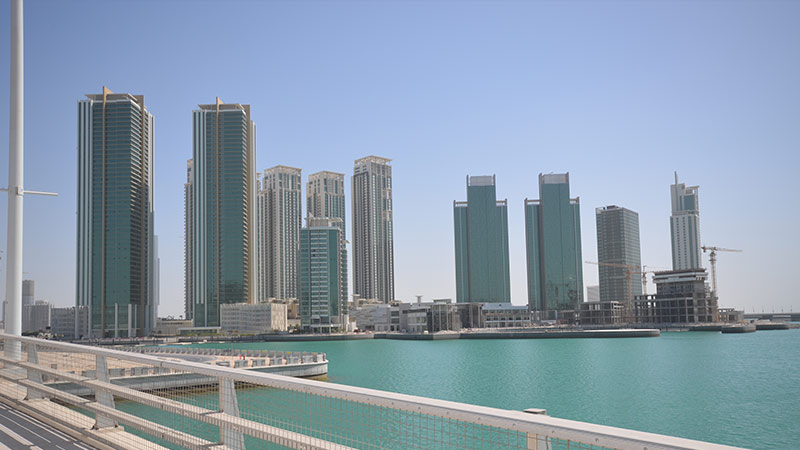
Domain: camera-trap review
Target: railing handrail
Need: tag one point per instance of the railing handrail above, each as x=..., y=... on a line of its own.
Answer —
x=598, y=435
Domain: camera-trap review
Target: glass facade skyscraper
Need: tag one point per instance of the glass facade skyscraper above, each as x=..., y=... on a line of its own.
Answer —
x=618, y=243
x=481, y=244
x=325, y=199
x=684, y=226
x=373, y=229
x=114, y=275
x=188, y=240
x=553, y=246
x=322, y=282
x=224, y=159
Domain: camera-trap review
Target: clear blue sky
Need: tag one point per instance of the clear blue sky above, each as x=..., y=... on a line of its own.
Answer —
x=620, y=94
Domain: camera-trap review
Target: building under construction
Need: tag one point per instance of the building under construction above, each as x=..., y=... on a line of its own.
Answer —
x=602, y=313
x=682, y=296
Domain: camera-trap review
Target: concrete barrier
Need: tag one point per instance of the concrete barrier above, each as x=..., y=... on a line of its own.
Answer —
x=137, y=371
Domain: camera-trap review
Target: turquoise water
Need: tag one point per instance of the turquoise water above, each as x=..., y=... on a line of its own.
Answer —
x=741, y=390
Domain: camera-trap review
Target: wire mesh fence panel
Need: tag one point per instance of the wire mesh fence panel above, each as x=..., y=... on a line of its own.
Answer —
x=360, y=425
x=188, y=399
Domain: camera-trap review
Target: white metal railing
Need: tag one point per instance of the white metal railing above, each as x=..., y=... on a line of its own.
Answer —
x=247, y=409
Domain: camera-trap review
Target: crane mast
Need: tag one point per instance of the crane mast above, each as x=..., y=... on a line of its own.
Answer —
x=712, y=258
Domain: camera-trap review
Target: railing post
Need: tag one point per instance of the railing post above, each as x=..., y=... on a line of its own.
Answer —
x=535, y=441
x=103, y=397
x=33, y=375
x=228, y=403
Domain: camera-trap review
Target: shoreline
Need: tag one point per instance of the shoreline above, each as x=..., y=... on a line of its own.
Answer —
x=481, y=334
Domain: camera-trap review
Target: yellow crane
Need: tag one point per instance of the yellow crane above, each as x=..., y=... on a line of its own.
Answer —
x=712, y=257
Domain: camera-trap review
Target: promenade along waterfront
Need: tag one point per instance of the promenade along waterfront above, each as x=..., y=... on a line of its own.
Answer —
x=738, y=390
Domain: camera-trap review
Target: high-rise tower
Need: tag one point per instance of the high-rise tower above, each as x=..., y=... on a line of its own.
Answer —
x=325, y=196
x=28, y=291
x=684, y=226
x=224, y=179
x=325, y=199
x=322, y=282
x=188, y=239
x=373, y=235
x=115, y=214
x=618, y=243
x=553, y=244
x=481, y=242
x=280, y=217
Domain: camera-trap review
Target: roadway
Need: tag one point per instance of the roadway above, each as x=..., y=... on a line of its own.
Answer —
x=21, y=432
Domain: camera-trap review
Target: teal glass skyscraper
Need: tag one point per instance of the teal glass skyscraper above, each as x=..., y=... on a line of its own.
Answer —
x=114, y=276
x=325, y=199
x=553, y=246
x=223, y=253
x=481, y=242
x=322, y=281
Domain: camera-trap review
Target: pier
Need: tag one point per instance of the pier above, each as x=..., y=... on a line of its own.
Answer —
x=148, y=378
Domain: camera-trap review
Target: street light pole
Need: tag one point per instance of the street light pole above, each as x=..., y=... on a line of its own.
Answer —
x=13, y=319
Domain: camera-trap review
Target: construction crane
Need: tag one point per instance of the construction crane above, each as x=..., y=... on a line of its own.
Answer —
x=644, y=273
x=629, y=271
x=712, y=257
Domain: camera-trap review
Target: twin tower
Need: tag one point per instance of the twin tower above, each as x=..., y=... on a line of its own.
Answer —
x=552, y=243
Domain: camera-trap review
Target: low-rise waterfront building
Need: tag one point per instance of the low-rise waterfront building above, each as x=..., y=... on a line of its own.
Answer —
x=602, y=313
x=471, y=315
x=69, y=323
x=443, y=316
x=363, y=316
x=377, y=317
x=414, y=317
x=440, y=315
x=258, y=318
x=682, y=296
x=171, y=327
x=36, y=316
x=506, y=315
x=730, y=315
x=387, y=318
